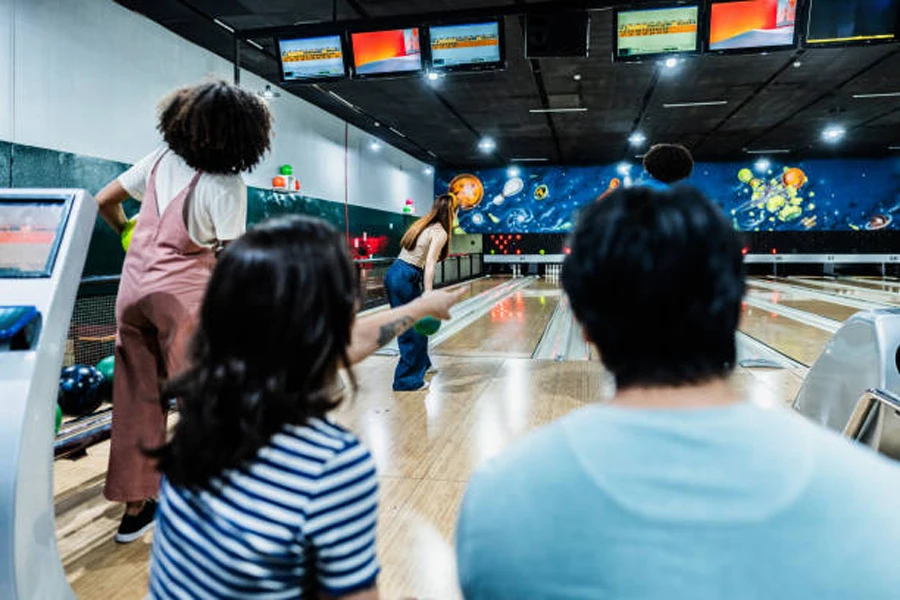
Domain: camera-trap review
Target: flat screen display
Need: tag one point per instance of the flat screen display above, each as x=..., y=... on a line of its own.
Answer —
x=386, y=52
x=312, y=58
x=851, y=21
x=469, y=45
x=657, y=31
x=28, y=237
x=752, y=24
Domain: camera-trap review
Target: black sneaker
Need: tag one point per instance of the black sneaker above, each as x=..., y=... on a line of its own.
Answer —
x=134, y=526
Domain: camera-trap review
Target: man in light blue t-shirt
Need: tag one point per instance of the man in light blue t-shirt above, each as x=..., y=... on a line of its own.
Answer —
x=677, y=487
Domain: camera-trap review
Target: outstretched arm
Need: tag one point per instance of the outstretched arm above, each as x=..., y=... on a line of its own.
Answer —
x=109, y=203
x=371, y=333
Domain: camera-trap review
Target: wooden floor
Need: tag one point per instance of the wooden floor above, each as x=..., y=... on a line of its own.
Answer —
x=426, y=444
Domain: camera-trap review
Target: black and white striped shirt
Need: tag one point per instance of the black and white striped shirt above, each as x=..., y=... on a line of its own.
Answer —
x=296, y=521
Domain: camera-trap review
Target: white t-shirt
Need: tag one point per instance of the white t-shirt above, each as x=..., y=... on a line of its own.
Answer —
x=217, y=208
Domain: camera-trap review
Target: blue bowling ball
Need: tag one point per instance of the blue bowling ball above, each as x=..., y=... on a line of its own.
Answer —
x=80, y=390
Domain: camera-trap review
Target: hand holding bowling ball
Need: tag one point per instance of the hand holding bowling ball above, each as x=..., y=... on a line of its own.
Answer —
x=127, y=232
x=437, y=303
x=427, y=326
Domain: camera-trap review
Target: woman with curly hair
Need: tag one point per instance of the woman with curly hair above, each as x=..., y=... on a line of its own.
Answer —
x=193, y=202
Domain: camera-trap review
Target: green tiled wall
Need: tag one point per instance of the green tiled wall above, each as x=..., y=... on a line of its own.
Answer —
x=5, y=149
x=28, y=166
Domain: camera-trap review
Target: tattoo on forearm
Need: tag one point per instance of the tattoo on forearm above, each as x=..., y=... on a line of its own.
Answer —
x=391, y=330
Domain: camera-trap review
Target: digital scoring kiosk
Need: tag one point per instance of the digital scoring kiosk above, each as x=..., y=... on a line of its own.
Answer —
x=44, y=238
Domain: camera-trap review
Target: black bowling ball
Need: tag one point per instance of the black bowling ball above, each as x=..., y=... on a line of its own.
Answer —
x=80, y=390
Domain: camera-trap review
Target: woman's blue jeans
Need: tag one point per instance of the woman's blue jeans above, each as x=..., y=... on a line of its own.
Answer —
x=403, y=283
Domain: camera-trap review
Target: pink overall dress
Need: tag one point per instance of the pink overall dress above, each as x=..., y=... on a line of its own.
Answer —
x=163, y=282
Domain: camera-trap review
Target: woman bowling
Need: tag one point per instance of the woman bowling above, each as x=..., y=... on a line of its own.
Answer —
x=193, y=202
x=425, y=243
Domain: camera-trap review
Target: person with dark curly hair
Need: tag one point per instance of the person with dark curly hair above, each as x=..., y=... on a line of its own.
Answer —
x=193, y=202
x=669, y=163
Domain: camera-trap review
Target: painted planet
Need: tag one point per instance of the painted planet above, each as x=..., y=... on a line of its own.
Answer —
x=541, y=192
x=468, y=190
x=478, y=219
x=513, y=187
x=794, y=178
x=614, y=183
x=879, y=222
x=745, y=175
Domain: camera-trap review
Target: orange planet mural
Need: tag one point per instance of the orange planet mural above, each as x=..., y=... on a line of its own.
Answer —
x=468, y=190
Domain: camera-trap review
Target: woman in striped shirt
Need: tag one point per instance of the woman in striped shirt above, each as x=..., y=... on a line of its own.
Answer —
x=262, y=496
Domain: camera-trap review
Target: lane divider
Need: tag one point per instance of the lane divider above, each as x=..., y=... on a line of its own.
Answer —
x=801, y=316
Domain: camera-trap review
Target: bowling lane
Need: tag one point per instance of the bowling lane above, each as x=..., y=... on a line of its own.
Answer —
x=511, y=329
x=797, y=300
x=803, y=343
x=874, y=283
x=846, y=289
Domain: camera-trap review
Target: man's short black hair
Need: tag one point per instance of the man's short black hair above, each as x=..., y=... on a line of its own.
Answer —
x=669, y=163
x=656, y=279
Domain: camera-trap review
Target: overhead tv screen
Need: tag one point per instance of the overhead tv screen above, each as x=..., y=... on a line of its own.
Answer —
x=657, y=31
x=752, y=24
x=469, y=45
x=312, y=58
x=852, y=21
x=386, y=52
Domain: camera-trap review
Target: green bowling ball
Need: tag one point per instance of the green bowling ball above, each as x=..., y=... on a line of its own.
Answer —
x=107, y=366
x=59, y=416
x=427, y=326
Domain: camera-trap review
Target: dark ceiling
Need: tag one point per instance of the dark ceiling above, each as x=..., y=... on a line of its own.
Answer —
x=771, y=103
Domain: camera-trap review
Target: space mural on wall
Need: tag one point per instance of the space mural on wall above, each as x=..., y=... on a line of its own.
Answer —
x=761, y=195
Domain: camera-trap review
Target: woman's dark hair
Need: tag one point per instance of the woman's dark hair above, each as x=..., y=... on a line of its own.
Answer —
x=669, y=163
x=656, y=280
x=216, y=127
x=442, y=211
x=274, y=329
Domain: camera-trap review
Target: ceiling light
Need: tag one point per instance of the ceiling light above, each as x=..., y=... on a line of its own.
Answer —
x=374, y=146
x=432, y=76
x=763, y=165
x=557, y=110
x=671, y=63
x=398, y=132
x=255, y=45
x=224, y=26
x=623, y=169
x=881, y=95
x=530, y=159
x=776, y=151
x=376, y=124
x=268, y=93
x=513, y=172
x=833, y=133
x=637, y=138
x=797, y=64
x=893, y=147
x=487, y=145
x=428, y=170
x=577, y=76
x=692, y=104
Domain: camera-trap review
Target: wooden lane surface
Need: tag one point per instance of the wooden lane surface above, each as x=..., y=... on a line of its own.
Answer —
x=425, y=444
x=803, y=343
x=874, y=283
x=857, y=292
x=830, y=310
x=512, y=328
